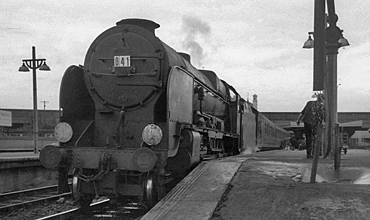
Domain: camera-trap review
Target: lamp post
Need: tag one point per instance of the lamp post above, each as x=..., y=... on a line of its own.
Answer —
x=34, y=64
x=333, y=44
x=333, y=41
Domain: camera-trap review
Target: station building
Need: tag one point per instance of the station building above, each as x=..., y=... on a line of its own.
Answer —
x=353, y=126
x=19, y=136
x=22, y=122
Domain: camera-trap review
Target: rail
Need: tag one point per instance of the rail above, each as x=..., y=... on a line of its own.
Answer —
x=22, y=198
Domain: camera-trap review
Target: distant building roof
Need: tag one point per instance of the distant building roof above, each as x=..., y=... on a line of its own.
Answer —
x=361, y=134
x=358, y=123
x=353, y=124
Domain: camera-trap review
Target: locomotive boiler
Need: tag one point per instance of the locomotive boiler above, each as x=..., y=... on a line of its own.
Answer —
x=136, y=115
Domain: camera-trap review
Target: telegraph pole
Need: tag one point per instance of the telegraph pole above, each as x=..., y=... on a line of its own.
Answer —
x=44, y=102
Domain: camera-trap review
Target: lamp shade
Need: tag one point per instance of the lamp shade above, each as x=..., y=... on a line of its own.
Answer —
x=343, y=41
x=309, y=43
x=23, y=68
x=44, y=67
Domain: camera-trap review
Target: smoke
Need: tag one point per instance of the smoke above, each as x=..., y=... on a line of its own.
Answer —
x=195, y=30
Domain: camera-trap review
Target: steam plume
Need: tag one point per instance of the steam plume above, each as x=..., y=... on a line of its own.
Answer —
x=195, y=30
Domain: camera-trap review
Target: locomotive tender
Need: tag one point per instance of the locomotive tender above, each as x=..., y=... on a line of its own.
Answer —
x=138, y=113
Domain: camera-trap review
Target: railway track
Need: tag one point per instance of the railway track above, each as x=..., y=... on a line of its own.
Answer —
x=73, y=212
x=101, y=210
x=17, y=199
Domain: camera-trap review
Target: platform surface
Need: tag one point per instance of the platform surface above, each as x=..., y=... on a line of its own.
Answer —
x=196, y=196
x=276, y=185
x=271, y=185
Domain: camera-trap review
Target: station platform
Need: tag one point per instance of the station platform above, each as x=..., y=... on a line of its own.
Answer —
x=197, y=194
x=23, y=170
x=18, y=159
x=18, y=155
x=271, y=185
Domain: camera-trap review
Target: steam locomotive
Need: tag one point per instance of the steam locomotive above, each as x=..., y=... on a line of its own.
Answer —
x=138, y=114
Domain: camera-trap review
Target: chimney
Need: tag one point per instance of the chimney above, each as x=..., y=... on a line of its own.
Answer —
x=255, y=101
x=147, y=24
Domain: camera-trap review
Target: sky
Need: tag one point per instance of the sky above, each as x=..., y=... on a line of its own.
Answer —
x=254, y=45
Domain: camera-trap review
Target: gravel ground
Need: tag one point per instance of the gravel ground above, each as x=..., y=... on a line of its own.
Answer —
x=37, y=211
x=40, y=210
